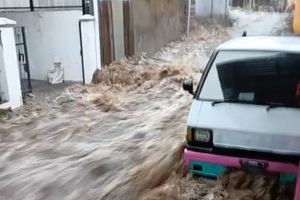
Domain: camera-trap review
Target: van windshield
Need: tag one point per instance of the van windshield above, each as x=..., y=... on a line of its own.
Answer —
x=254, y=77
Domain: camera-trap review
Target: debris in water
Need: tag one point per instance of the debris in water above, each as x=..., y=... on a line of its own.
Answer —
x=106, y=104
x=5, y=113
x=65, y=98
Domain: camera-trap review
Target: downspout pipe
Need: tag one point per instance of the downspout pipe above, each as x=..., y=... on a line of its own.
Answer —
x=211, y=10
x=83, y=7
x=31, y=5
x=81, y=54
x=226, y=11
x=189, y=18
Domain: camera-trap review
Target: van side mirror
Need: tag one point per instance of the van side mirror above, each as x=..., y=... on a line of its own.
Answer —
x=188, y=86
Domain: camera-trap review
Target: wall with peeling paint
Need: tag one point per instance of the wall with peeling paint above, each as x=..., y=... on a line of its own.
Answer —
x=155, y=23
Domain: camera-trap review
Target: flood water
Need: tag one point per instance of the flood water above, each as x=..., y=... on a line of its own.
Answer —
x=121, y=139
x=114, y=142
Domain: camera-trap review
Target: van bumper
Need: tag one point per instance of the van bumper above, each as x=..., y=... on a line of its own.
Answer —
x=191, y=157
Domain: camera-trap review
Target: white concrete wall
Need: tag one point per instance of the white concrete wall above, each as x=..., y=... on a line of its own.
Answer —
x=14, y=3
x=10, y=66
x=203, y=7
x=3, y=81
x=56, y=2
x=207, y=8
x=89, y=48
x=220, y=7
x=52, y=36
x=25, y=3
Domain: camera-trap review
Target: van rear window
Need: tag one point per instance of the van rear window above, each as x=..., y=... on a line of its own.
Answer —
x=254, y=77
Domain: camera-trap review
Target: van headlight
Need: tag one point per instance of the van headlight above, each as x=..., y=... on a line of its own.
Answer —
x=202, y=135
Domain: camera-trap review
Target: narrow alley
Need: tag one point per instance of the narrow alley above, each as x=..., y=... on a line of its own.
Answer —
x=108, y=140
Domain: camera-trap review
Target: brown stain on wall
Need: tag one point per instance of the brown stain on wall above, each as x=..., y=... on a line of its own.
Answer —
x=155, y=23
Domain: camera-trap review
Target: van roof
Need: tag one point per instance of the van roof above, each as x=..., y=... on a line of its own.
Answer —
x=266, y=43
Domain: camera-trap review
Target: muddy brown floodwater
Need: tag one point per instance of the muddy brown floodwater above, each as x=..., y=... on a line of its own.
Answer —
x=120, y=139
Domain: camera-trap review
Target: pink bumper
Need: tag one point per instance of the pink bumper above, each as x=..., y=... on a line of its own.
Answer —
x=234, y=162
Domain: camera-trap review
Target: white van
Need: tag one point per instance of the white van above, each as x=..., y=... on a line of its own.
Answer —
x=246, y=108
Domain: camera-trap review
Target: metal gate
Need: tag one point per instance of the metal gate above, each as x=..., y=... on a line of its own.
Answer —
x=22, y=54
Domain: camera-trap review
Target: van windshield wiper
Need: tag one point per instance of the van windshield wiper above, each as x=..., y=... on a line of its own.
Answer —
x=230, y=101
x=219, y=102
x=274, y=105
x=269, y=105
